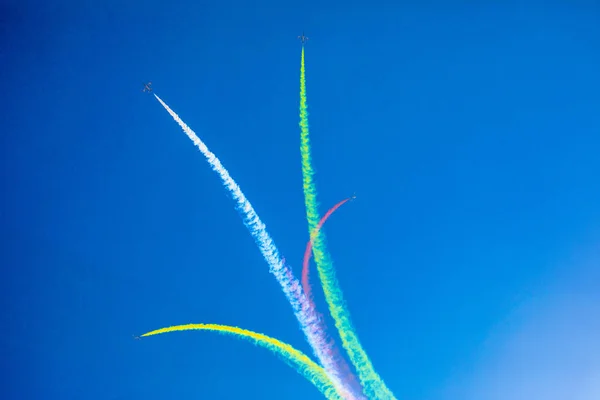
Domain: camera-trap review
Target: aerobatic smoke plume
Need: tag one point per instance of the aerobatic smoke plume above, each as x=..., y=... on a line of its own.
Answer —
x=295, y=358
x=309, y=322
x=309, y=246
x=349, y=377
x=374, y=386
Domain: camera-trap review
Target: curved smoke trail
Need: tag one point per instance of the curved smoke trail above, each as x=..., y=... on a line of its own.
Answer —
x=309, y=246
x=349, y=377
x=295, y=358
x=374, y=386
x=307, y=317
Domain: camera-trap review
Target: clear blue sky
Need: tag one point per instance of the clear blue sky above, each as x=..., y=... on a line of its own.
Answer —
x=470, y=135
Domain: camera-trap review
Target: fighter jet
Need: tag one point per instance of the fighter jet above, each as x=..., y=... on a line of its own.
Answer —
x=353, y=196
x=147, y=87
x=303, y=38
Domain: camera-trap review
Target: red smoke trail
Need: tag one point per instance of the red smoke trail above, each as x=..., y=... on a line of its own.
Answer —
x=307, y=253
x=335, y=354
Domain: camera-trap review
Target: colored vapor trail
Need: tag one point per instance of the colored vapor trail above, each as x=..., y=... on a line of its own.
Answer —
x=349, y=377
x=309, y=246
x=306, y=315
x=374, y=386
x=295, y=358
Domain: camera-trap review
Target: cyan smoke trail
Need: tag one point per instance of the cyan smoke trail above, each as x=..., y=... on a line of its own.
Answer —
x=372, y=383
x=306, y=315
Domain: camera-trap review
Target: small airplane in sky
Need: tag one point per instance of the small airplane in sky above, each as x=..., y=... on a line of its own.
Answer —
x=147, y=87
x=303, y=38
x=353, y=196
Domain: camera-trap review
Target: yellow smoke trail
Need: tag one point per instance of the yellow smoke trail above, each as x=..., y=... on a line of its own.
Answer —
x=298, y=360
x=374, y=386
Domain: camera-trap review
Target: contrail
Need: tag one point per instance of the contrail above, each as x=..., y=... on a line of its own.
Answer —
x=296, y=359
x=374, y=386
x=306, y=315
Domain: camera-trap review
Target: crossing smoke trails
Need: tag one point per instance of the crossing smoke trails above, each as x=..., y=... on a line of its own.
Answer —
x=374, y=386
x=298, y=360
x=307, y=317
x=309, y=246
x=349, y=377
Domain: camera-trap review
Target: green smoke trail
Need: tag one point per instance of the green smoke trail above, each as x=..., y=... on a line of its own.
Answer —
x=374, y=386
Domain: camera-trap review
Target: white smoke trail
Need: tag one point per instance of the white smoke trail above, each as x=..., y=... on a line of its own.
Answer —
x=306, y=315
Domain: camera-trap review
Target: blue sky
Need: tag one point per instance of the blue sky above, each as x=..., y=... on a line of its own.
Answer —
x=469, y=134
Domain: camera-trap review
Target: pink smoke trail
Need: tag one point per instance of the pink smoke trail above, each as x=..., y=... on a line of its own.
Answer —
x=348, y=376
